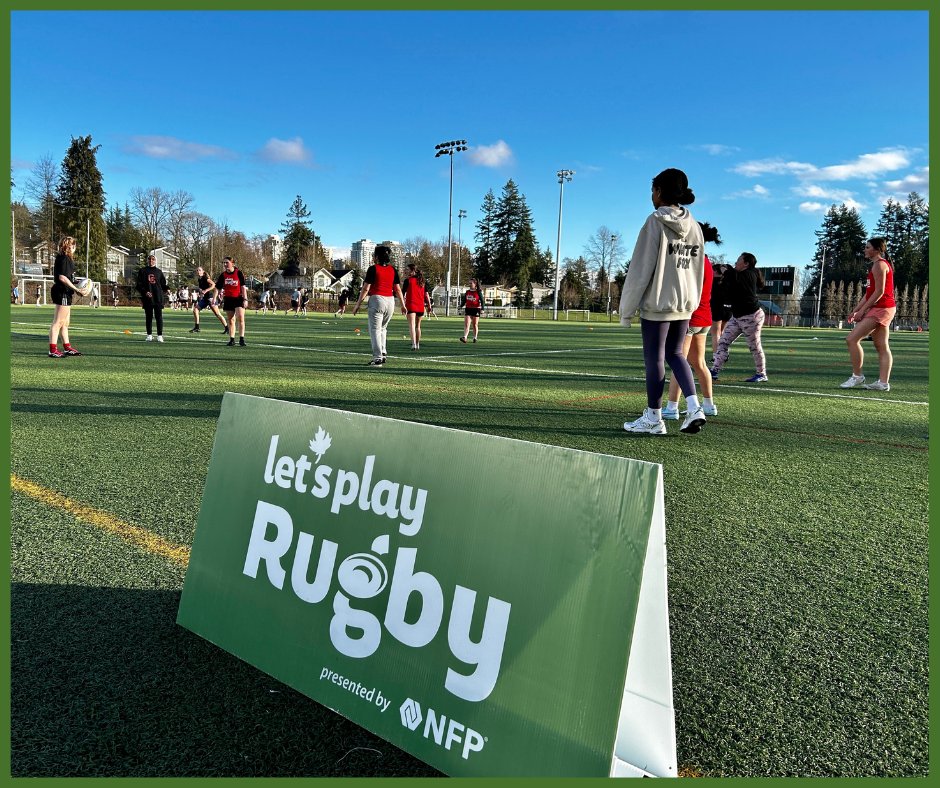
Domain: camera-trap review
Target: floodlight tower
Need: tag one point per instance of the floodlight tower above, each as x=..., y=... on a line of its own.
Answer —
x=563, y=175
x=449, y=149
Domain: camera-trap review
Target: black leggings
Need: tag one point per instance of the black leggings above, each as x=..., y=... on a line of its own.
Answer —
x=150, y=310
x=662, y=343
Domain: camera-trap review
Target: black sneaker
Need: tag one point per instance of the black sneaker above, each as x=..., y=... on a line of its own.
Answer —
x=464, y=340
x=70, y=352
x=241, y=342
x=474, y=339
x=376, y=362
x=194, y=330
x=231, y=343
x=224, y=329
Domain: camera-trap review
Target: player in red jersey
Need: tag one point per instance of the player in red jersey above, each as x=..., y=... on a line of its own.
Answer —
x=231, y=283
x=873, y=316
x=472, y=308
x=416, y=299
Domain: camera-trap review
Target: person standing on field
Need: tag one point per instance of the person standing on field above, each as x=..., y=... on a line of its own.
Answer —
x=380, y=286
x=416, y=299
x=63, y=290
x=231, y=283
x=472, y=302
x=664, y=281
x=872, y=317
x=694, y=347
x=151, y=284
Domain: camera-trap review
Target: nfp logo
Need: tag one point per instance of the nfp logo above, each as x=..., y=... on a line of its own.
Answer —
x=442, y=731
x=410, y=714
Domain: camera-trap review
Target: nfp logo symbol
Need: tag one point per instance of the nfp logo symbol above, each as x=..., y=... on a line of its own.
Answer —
x=442, y=731
x=410, y=714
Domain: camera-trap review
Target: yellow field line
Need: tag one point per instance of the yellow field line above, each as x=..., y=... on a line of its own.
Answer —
x=139, y=537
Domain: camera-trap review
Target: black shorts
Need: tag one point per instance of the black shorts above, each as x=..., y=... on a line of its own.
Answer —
x=721, y=312
x=293, y=304
x=204, y=303
x=419, y=314
x=472, y=311
x=230, y=304
x=61, y=295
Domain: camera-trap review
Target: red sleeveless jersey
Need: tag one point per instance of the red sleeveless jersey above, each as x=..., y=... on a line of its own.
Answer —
x=472, y=299
x=414, y=295
x=886, y=300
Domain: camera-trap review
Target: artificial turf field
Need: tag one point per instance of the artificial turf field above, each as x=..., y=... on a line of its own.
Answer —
x=797, y=537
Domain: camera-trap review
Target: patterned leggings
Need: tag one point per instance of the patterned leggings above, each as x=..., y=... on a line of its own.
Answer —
x=750, y=326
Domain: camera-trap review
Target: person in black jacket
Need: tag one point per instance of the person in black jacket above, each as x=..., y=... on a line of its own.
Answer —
x=151, y=284
x=747, y=317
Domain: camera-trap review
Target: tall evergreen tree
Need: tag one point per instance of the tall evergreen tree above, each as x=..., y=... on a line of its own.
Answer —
x=301, y=244
x=843, y=238
x=80, y=195
x=514, y=260
x=483, y=255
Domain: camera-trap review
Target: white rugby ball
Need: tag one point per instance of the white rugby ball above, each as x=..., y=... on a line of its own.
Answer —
x=84, y=285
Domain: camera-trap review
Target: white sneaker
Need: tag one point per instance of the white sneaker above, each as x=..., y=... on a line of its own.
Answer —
x=878, y=386
x=693, y=422
x=645, y=425
x=852, y=382
x=150, y=337
x=710, y=410
x=671, y=415
x=160, y=338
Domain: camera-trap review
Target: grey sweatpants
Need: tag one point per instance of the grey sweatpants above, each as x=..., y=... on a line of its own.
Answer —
x=381, y=309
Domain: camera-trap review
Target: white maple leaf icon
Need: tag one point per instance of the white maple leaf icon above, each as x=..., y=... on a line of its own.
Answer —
x=320, y=443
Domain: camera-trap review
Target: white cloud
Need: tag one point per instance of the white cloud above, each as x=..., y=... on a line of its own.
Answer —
x=756, y=191
x=773, y=167
x=819, y=193
x=716, y=149
x=866, y=165
x=495, y=155
x=285, y=151
x=812, y=207
x=156, y=147
x=915, y=182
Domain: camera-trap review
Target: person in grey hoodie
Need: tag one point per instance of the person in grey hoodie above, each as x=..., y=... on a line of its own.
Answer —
x=664, y=281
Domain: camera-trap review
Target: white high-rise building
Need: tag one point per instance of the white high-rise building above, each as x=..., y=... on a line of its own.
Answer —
x=272, y=247
x=361, y=253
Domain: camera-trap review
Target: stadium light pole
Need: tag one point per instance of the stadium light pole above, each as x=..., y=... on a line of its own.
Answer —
x=822, y=265
x=461, y=215
x=449, y=149
x=610, y=266
x=563, y=175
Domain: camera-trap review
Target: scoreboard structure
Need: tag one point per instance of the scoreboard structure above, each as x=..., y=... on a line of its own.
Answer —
x=779, y=280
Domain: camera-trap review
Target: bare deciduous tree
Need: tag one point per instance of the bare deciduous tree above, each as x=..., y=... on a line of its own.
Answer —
x=150, y=209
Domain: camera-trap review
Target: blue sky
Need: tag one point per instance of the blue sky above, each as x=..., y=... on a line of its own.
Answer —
x=773, y=115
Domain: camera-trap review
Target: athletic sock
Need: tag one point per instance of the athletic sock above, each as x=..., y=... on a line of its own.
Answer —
x=672, y=405
x=708, y=402
x=66, y=346
x=692, y=403
x=655, y=414
x=52, y=348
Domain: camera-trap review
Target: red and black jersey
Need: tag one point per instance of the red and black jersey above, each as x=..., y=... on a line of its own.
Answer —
x=414, y=294
x=231, y=284
x=382, y=280
x=472, y=299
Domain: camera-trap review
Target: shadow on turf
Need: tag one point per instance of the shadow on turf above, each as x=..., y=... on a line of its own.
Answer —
x=105, y=684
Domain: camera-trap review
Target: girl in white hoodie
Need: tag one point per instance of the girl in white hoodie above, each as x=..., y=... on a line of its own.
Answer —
x=664, y=281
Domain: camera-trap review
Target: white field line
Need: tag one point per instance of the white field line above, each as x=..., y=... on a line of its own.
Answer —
x=456, y=361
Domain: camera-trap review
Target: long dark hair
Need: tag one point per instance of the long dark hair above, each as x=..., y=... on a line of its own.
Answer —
x=673, y=187
x=475, y=281
x=416, y=273
x=880, y=245
x=710, y=234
